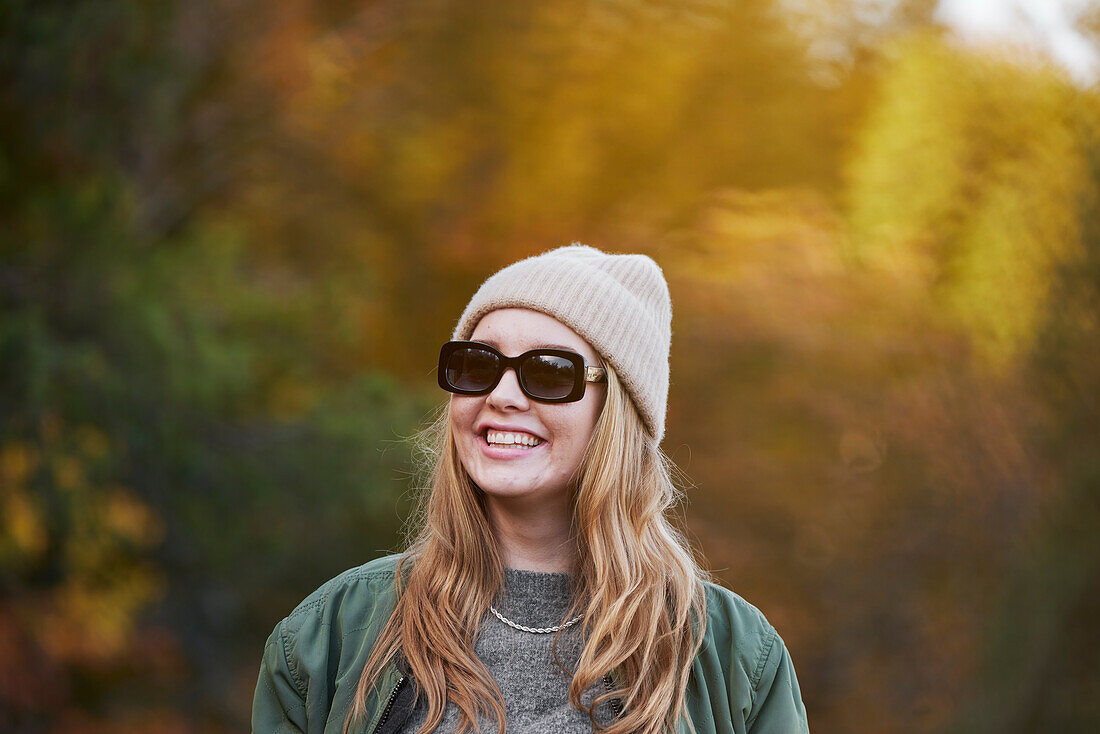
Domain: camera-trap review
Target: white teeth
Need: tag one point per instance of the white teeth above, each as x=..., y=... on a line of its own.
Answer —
x=506, y=438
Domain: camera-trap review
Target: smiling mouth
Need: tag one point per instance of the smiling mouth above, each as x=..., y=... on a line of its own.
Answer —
x=511, y=439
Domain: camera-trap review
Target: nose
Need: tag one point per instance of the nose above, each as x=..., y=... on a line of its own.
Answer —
x=507, y=393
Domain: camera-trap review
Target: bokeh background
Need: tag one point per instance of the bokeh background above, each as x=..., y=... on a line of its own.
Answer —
x=233, y=234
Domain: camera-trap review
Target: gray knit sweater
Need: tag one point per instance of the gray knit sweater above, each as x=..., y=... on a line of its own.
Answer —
x=535, y=688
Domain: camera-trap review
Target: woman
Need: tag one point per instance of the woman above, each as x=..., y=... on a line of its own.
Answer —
x=546, y=590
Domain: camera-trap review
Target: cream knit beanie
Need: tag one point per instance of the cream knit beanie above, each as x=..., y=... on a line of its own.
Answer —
x=618, y=303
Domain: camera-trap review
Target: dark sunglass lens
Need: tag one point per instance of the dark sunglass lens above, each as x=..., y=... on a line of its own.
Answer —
x=472, y=369
x=549, y=377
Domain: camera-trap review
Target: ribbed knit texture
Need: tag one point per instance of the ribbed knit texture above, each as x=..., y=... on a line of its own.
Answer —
x=618, y=303
x=535, y=688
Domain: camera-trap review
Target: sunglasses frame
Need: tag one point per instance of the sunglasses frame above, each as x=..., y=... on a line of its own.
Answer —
x=583, y=375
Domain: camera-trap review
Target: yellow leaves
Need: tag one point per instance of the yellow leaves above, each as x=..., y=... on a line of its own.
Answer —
x=763, y=262
x=330, y=66
x=128, y=518
x=22, y=533
x=73, y=452
x=22, y=525
x=60, y=499
x=92, y=613
x=17, y=461
x=91, y=619
x=68, y=472
x=327, y=83
x=1000, y=282
x=966, y=179
x=427, y=162
x=108, y=527
x=786, y=229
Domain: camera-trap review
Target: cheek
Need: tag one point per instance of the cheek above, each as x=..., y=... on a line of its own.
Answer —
x=579, y=430
x=590, y=415
x=462, y=413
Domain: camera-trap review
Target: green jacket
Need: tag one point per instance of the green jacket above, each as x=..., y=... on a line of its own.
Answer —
x=742, y=680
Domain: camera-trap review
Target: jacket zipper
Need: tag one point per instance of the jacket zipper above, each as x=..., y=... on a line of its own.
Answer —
x=616, y=706
x=389, y=704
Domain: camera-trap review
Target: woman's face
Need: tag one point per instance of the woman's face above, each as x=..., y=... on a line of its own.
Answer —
x=513, y=446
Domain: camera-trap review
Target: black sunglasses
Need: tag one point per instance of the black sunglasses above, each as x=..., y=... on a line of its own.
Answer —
x=546, y=375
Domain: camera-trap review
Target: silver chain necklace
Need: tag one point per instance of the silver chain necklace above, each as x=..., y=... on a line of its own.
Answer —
x=534, y=630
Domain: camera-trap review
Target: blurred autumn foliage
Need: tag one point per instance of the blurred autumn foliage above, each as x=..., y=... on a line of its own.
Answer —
x=233, y=234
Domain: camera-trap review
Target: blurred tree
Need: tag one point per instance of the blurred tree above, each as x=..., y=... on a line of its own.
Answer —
x=964, y=181
x=1042, y=667
x=232, y=236
x=857, y=424
x=438, y=140
x=176, y=459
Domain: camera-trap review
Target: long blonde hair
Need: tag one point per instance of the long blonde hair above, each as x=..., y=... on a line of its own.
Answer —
x=639, y=587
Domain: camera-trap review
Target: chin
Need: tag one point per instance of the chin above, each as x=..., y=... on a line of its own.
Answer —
x=497, y=489
x=510, y=490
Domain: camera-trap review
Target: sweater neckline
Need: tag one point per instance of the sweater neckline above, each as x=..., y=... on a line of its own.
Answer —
x=535, y=598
